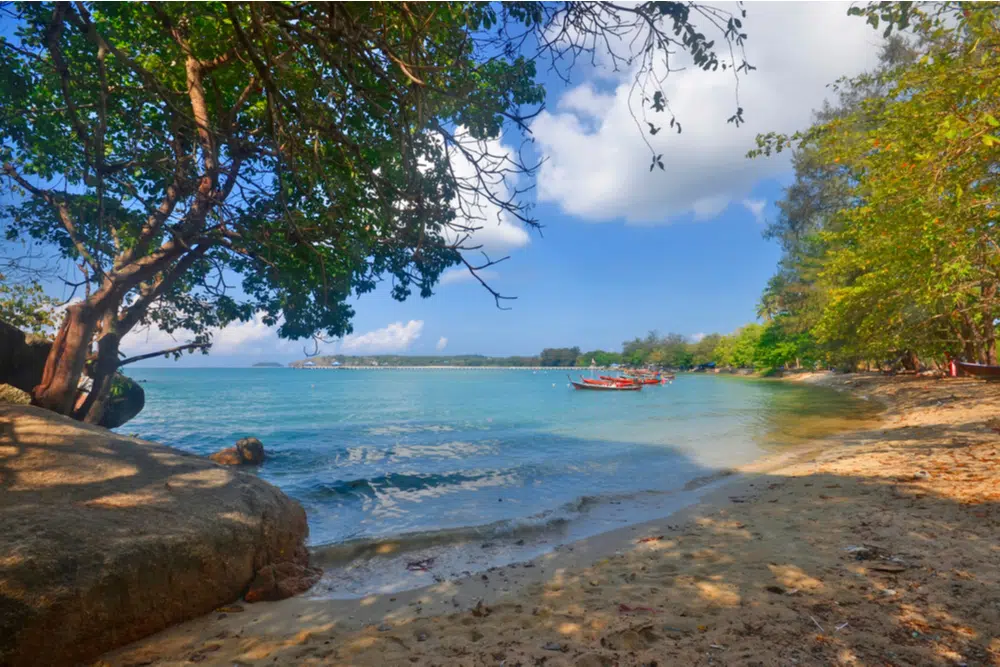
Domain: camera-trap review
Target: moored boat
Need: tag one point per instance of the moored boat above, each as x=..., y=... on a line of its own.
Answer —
x=599, y=385
x=979, y=370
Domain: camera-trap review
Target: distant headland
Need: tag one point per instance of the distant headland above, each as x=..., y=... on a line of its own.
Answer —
x=268, y=364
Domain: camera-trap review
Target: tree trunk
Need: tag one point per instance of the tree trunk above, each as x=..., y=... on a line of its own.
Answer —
x=66, y=360
x=103, y=371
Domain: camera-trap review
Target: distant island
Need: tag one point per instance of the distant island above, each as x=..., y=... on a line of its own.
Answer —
x=268, y=364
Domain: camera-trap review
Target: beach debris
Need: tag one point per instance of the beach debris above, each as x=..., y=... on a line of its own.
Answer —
x=719, y=647
x=384, y=627
x=230, y=609
x=627, y=609
x=481, y=610
x=888, y=567
x=555, y=646
x=422, y=637
x=420, y=565
x=817, y=624
x=202, y=654
x=737, y=499
x=922, y=475
x=841, y=626
x=888, y=592
x=650, y=539
x=670, y=628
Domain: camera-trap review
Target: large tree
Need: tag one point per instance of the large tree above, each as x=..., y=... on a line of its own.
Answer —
x=307, y=149
x=906, y=259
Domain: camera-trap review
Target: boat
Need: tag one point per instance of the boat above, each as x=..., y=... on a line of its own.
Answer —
x=603, y=386
x=979, y=370
x=617, y=378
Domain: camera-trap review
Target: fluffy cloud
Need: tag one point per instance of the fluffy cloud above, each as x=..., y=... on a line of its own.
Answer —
x=441, y=344
x=249, y=338
x=756, y=208
x=459, y=274
x=597, y=164
x=495, y=230
x=256, y=338
x=696, y=338
x=396, y=337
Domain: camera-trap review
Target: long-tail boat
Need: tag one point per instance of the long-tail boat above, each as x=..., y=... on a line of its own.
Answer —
x=603, y=386
x=979, y=370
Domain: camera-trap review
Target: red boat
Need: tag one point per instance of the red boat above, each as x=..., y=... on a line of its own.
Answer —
x=979, y=370
x=603, y=386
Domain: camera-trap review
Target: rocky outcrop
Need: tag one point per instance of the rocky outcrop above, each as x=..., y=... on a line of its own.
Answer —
x=22, y=360
x=107, y=539
x=10, y=394
x=246, y=451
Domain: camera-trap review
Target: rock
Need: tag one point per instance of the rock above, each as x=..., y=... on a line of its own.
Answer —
x=246, y=451
x=282, y=580
x=126, y=401
x=108, y=539
x=11, y=394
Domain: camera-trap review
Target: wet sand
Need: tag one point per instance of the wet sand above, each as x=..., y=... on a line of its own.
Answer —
x=876, y=547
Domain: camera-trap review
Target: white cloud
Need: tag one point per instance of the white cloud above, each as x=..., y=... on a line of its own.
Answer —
x=396, y=337
x=244, y=338
x=597, y=164
x=756, y=207
x=695, y=338
x=460, y=274
x=441, y=344
x=494, y=229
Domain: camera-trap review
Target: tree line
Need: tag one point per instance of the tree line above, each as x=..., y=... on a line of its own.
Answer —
x=889, y=230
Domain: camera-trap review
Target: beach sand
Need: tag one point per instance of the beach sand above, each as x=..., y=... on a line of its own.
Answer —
x=876, y=547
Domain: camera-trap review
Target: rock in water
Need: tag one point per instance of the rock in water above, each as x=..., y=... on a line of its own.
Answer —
x=126, y=401
x=247, y=451
x=108, y=539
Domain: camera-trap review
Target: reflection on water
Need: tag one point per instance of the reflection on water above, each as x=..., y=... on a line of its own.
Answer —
x=796, y=414
x=449, y=457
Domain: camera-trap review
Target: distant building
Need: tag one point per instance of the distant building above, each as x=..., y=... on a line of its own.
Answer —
x=336, y=363
x=309, y=363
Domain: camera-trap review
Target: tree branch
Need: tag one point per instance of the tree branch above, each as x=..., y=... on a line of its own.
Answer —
x=161, y=353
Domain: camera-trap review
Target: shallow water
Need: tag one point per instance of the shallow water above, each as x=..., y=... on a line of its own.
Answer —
x=476, y=468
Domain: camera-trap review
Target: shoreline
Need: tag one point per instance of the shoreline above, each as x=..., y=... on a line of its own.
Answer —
x=613, y=592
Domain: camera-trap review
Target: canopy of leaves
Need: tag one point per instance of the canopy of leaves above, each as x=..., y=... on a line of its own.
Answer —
x=890, y=229
x=25, y=306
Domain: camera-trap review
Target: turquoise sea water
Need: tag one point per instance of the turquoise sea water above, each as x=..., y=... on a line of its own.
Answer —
x=436, y=459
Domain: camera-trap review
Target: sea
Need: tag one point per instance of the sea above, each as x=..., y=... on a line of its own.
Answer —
x=415, y=476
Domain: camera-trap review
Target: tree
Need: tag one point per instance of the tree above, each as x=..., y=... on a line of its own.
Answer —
x=908, y=263
x=559, y=356
x=703, y=351
x=25, y=306
x=306, y=150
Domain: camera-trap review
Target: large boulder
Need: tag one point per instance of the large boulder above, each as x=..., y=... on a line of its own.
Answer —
x=22, y=360
x=107, y=539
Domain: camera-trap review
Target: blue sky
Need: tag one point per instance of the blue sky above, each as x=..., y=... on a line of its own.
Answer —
x=624, y=250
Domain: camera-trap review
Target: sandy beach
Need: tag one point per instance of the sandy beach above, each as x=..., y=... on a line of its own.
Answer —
x=876, y=547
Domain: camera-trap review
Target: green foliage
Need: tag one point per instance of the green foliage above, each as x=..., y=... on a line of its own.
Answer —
x=889, y=229
x=24, y=305
x=598, y=358
x=559, y=356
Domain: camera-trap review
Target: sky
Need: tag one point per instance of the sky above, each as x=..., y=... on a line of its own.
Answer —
x=623, y=250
